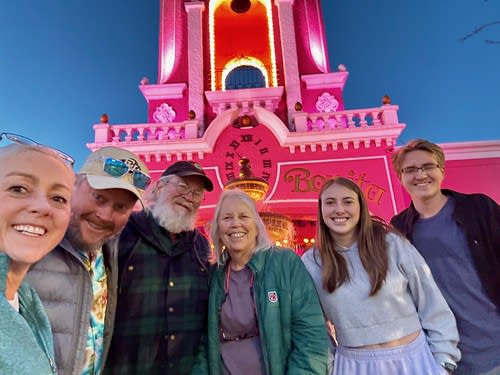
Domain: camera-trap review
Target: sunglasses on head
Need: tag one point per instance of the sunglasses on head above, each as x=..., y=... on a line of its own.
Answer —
x=118, y=168
x=19, y=139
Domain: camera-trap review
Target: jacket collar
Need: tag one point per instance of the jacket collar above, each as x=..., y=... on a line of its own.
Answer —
x=255, y=264
x=4, y=266
x=257, y=261
x=414, y=213
x=24, y=296
x=107, y=249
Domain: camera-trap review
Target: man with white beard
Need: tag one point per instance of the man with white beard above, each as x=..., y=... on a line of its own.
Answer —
x=163, y=280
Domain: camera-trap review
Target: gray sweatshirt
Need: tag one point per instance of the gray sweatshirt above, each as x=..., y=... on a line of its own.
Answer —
x=409, y=300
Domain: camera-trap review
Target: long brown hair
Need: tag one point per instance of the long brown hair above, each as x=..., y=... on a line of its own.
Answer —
x=371, y=233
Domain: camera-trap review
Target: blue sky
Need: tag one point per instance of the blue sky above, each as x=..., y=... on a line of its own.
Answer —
x=64, y=63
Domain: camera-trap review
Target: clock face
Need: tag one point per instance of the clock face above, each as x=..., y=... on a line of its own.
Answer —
x=252, y=145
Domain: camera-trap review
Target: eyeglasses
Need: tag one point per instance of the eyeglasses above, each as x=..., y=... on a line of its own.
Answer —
x=183, y=189
x=425, y=168
x=118, y=168
x=19, y=139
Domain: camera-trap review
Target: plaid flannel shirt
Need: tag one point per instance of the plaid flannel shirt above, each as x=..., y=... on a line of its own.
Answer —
x=162, y=301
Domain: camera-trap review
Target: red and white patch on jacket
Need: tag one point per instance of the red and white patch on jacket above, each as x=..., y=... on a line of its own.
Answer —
x=272, y=296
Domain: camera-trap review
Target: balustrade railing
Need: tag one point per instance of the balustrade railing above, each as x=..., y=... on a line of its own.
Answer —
x=303, y=121
x=105, y=133
x=360, y=118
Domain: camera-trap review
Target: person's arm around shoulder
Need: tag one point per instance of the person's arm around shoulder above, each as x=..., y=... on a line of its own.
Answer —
x=309, y=337
x=436, y=317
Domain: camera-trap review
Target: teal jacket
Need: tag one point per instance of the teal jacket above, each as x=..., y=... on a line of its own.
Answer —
x=25, y=338
x=292, y=329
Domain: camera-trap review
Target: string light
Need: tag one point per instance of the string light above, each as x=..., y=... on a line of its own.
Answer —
x=213, y=5
x=241, y=61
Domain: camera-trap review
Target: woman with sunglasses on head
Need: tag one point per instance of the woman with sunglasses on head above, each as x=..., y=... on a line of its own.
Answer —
x=389, y=315
x=264, y=315
x=36, y=183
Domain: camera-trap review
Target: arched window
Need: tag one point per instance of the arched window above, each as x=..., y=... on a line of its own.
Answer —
x=245, y=77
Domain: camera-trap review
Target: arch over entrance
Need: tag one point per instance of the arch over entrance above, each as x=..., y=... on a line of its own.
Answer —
x=244, y=77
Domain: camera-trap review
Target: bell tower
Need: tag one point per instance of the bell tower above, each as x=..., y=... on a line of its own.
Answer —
x=250, y=80
x=217, y=54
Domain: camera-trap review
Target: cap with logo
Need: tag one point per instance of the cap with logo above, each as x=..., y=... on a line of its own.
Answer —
x=98, y=178
x=189, y=168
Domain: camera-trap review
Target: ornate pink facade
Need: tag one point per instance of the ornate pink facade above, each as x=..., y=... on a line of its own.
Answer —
x=289, y=118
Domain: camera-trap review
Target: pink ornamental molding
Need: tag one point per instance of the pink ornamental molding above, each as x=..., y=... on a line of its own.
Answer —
x=245, y=99
x=325, y=80
x=161, y=92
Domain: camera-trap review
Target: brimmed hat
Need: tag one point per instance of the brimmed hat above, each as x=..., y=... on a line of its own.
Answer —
x=97, y=178
x=189, y=168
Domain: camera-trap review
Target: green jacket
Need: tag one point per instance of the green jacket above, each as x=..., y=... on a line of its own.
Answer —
x=292, y=329
x=25, y=338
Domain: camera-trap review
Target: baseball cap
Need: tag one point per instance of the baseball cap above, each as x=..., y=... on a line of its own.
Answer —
x=98, y=178
x=189, y=168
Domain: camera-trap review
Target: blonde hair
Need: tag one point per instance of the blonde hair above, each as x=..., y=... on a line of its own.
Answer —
x=417, y=145
x=18, y=148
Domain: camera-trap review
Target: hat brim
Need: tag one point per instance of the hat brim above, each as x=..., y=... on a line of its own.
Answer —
x=105, y=182
x=207, y=183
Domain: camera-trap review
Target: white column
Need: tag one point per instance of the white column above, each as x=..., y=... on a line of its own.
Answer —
x=194, y=10
x=289, y=52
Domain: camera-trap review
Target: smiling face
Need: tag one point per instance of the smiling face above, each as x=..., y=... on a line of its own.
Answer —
x=237, y=227
x=422, y=185
x=97, y=215
x=176, y=201
x=340, y=210
x=172, y=191
x=35, y=191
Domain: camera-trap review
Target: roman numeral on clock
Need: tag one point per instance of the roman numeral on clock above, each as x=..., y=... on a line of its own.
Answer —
x=246, y=138
x=234, y=144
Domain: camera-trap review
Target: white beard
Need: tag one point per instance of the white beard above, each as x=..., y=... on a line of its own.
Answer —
x=169, y=218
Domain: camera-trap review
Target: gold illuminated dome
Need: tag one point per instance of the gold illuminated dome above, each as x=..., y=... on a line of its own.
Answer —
x=279, y=227
x=255, y=187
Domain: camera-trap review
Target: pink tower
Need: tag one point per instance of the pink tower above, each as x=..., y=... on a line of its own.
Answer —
x=251, y=79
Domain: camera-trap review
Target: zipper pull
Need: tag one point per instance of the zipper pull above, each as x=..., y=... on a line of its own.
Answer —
x=52, y=366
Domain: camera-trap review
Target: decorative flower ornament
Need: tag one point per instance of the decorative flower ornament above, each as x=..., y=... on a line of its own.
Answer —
x=327, y=103
x=164, y=114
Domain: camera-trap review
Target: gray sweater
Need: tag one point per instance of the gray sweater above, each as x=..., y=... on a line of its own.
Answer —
x=409, y=300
